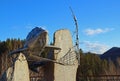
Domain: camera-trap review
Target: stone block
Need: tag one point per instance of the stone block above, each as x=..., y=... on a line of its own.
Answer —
x=67, y=72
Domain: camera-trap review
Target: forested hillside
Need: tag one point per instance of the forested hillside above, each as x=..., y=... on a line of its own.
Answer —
x=90, y=64
x=5, y=48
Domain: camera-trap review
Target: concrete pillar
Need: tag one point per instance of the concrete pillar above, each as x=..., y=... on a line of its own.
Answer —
x=21, y=70
x=63, y=39
x=18, y=72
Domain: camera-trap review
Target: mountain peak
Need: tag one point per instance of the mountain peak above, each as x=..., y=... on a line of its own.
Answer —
x=112, y=53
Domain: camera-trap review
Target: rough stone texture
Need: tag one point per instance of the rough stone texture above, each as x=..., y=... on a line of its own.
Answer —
x=18, y=72
x=21, y=71
x=63, y=39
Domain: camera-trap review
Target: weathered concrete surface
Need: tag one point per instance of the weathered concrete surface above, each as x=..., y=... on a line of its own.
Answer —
x=18, y=72
x=63, y=39
x=21, y=71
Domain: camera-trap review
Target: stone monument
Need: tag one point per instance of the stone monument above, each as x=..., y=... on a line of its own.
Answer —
x=63, y=67
x=19, y=71
x=67, y=71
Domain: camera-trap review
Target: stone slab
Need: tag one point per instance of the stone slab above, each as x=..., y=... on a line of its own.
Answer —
x=63, y=39
x=21, y=70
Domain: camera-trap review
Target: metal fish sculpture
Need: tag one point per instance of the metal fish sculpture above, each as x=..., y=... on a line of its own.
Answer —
x=35, y=44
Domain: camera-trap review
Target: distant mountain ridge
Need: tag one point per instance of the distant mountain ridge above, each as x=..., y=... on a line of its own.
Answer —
x=112, y=53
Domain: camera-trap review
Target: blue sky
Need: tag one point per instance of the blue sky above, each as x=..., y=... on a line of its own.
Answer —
x=98, y=20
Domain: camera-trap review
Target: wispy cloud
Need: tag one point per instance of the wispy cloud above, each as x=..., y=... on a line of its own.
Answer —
x=94, y=47
x=91, y=32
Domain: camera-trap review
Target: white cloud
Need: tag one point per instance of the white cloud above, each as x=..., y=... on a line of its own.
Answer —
x=91, y=32
x=95, y=47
